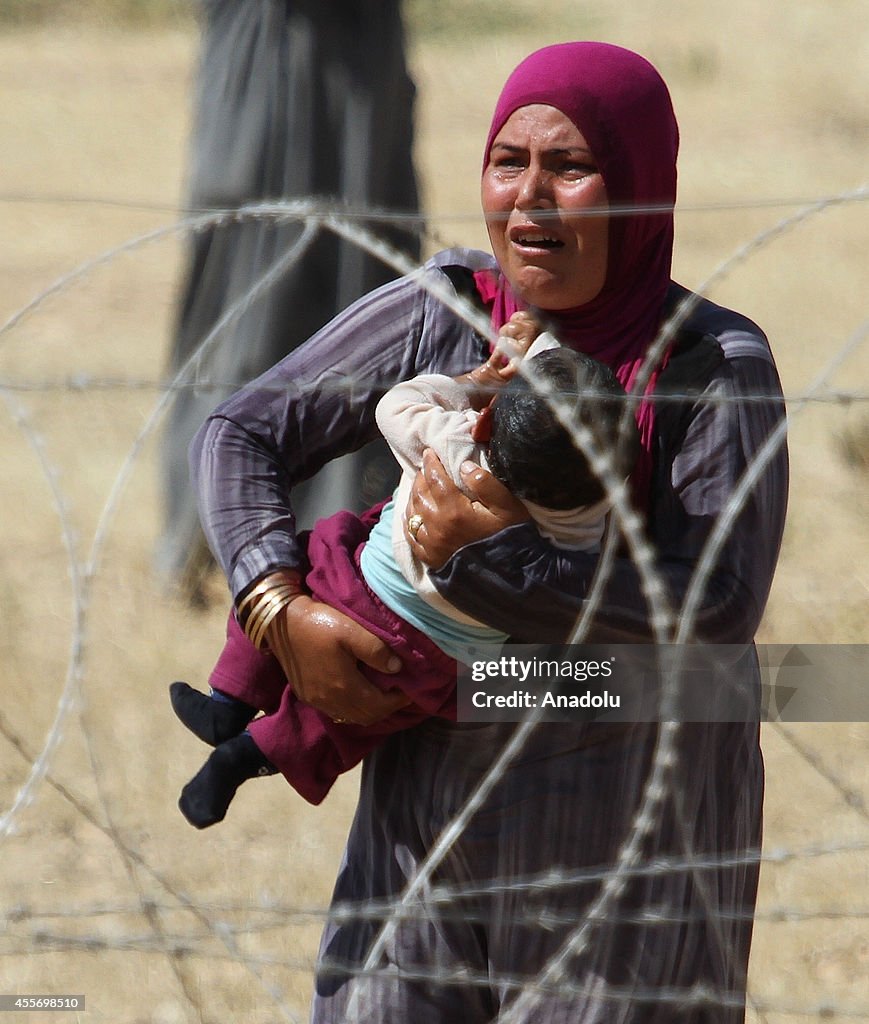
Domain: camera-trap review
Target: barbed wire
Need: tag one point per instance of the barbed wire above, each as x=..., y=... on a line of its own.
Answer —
x=280, y=915
x=218, y=938
x=83, y=382
x=369, y=215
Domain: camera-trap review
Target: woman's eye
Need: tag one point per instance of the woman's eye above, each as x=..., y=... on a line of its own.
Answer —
x=509, y=162
x=504, y=158
x=578, y=170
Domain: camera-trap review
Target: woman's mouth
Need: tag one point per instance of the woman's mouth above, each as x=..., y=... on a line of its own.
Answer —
x=534, y=239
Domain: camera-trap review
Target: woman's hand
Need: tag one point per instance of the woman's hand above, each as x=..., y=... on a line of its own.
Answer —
x=319, y=649
x=447, y=519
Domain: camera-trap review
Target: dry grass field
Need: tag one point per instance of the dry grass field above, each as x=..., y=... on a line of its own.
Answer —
x=104, y=888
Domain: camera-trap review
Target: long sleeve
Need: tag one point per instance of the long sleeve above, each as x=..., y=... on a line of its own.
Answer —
x=314, y=405
x=429, y=411
x=516, y=582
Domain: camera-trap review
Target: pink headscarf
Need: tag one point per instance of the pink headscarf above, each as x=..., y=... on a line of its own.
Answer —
x=621, y=105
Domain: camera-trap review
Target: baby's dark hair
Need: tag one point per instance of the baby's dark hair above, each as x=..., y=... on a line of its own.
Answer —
x=534, y=455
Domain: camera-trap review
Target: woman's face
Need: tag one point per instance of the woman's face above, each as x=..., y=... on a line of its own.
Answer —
x=539, y=186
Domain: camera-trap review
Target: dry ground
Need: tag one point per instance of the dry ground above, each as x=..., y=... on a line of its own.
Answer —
x=93, y=123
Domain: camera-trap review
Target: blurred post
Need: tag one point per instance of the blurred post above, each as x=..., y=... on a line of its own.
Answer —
x=294, y=98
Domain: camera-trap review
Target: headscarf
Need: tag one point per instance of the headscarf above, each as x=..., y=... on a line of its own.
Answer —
x=622, y=107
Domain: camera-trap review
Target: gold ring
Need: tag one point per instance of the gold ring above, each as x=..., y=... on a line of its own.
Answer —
x=414, y=524
x=340, y=721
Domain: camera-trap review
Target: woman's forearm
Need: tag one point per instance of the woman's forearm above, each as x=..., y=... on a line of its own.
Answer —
x=520, y=584
x=243, y=494
x=315, y=405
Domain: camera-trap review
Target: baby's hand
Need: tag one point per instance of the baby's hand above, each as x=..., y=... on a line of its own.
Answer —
x=514, y=340
x=522, y=328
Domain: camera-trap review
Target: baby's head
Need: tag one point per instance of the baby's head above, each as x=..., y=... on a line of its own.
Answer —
x=534, y=455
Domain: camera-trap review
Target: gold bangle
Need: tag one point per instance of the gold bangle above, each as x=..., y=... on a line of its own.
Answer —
x=283, y=577
x=272, y=599
x=258, y=612
x=264, y=601
x=264, y=607
x=273, y=618
x=243, y=607
x=258, y=629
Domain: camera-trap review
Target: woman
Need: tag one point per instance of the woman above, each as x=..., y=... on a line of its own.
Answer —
x=581, y=132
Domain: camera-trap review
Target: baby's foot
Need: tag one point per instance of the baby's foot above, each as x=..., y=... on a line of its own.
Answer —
x=213, y=720
x=206, y=798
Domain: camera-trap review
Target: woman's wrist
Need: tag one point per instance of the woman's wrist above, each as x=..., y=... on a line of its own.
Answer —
x=258, y=607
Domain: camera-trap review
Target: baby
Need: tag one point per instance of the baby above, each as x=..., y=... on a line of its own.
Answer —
x=492, y=416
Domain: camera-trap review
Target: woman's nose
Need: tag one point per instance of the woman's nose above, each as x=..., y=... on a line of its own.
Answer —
x=535, y=189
